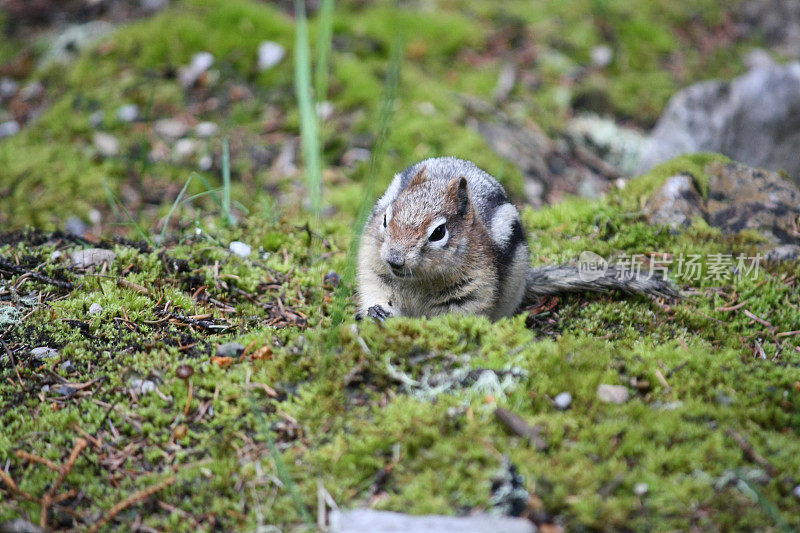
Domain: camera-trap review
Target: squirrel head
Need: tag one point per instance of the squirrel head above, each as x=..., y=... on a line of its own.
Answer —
x=427, y=231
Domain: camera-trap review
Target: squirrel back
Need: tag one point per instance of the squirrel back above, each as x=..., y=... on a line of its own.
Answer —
x=445, y=238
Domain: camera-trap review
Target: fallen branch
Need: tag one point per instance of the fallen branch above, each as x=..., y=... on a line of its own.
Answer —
x=521, y=428
x=22, y=454
x=751, y=452
x=131, y=500
x=49, y=497
x=16, y=269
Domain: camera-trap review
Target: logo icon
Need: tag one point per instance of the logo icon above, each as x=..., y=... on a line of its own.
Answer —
x=591, y=266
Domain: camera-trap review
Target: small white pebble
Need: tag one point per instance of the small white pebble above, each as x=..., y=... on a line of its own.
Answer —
x=7, y=129
x=95, y=216
x=95, y=308
x=206, y=129
x=563, y=401
x=640, y=489
x=615, y=394
x=269, y=55
x=796, y=491
x=324, y=110
x=128, y=113
x=205, y=162
x=183, y=149
x=55, y=255
x=602, y=55
x=239, y=248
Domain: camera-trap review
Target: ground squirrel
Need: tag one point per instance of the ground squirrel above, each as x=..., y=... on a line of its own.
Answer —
x=445, y=238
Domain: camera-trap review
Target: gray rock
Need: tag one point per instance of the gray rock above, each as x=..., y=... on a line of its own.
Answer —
x=8, y=87
x=742, y=197
x=19, y=525
x=753, y=119
x=775, y=21
x=269, y=55
x=324, y=110
x=759, y=58
x=142, y=386
x=67, y=366
x=201, y=62
x=153, y=5
x=206, y=129
x=785, y=252
x=230, y=349
x=92, y=256
x=95, y=308
x=66, y=390
x=96, y=119
x=617, y=145
x=354, y=155
x=284, y=164
x=170, y=128
x=44, y=352
x=128, y=112
x=725, y=399
x=562, y=401
x=796, y=492
x=32, y=91
x=739, y=198
x=505, y=83
x=616, y=394
x=76, y=226
x=106, y=144
x=9, y=128
x=676, y=203
x=68, y=45
x=369, y=521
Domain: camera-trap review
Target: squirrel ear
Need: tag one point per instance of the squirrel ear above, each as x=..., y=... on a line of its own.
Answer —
x=458, y=191
x=419, y=178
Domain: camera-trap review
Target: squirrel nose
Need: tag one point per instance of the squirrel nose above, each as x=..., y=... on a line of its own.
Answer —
x=395, y=259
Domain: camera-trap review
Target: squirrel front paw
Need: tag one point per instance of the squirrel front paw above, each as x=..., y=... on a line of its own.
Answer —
x=377, y=312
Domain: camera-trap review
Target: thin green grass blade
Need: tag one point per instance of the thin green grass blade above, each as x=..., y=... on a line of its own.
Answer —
x=210, y=189
x=385, y=117
x=323, y=49
x=163, y=234
x=142, y=233
x=283, y=472
x=309, y=131
x=226, y=183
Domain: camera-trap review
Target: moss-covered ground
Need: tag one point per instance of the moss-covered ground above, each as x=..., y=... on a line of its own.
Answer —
x=399, y=415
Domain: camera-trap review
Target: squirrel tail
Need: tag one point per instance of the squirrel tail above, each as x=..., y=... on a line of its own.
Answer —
x=562, y=279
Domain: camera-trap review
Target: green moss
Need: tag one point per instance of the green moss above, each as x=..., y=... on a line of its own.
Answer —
x=345, y=402
x=343, y=414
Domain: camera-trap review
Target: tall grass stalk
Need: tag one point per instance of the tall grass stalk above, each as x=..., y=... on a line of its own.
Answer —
x=324, y=37
x=385, y=116
x=164, y=226
x=114, y=201
x=309, y=129
x=226, y=183
x=282, y=471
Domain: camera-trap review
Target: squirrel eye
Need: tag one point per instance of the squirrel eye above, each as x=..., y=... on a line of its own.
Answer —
x=438, y=233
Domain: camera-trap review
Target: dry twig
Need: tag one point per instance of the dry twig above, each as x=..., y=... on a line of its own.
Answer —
x=131, y=500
